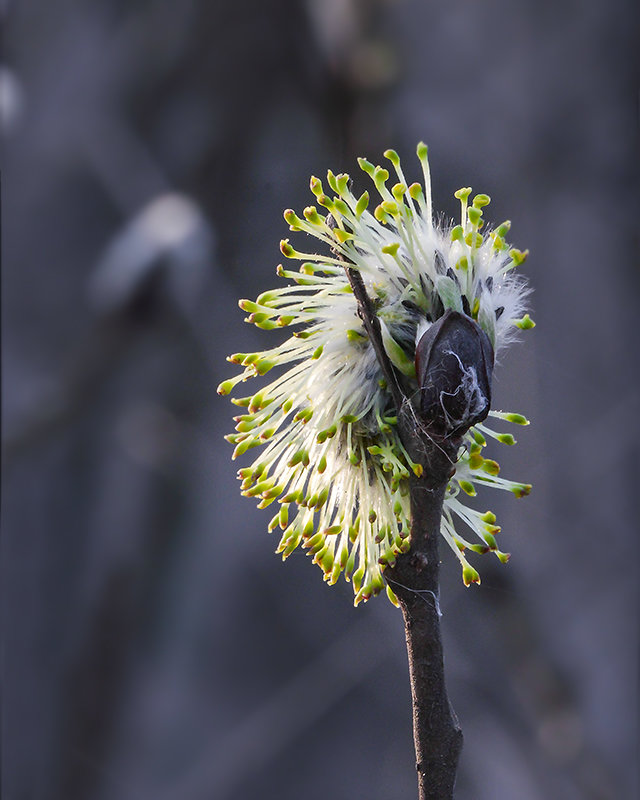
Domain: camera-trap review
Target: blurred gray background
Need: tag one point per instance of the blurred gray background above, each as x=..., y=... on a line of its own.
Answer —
x=154, y=647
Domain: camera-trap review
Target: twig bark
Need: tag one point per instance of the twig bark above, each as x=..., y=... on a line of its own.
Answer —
x=415, y=580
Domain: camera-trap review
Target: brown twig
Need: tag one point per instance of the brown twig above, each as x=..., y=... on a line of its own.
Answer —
x=414, y=579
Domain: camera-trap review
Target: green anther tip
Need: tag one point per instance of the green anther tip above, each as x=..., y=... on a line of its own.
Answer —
x=225, y=387
x=362, y=203
x=481, y=200
x=525, y=324
x=516, y=419
x=474, y=215
x=286, y=249
x=470, y=575
x=468, y=488
x=366, y=166
x=422, y=151
x=391, y=249
x=463, y=193
x=393, y=157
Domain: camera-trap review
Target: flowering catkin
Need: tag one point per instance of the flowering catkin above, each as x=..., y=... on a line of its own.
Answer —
x=333, y=458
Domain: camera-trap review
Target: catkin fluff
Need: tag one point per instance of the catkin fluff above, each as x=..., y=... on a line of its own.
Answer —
x=331, y=462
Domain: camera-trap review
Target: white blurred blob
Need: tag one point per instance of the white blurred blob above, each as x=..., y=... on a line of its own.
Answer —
x=169, y=233
x=12, y=100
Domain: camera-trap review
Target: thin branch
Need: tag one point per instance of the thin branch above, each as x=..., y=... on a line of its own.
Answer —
x=414, y=579
x=371, y=323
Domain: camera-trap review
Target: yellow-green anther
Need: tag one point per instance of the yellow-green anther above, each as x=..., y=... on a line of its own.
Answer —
x=303, y=415
x=392, y=597
x=274, y=523
x=474, y=215
x=342, y=236
x=332, y=530
x=393, y=157
x=372, y=516
x=264, y=324
x=266, y=297
x=380, y=177
x=391, y=249
x=247, y=444
x=470, y=575
x=354, y=458
x=473, y=239
x=322, y=464
x=525, y=323
x=314, y=542
x=284, y=320
x=396, y=354
x=380, y=214
x=297, y=458
x=315, y=184
x=468, y=488
x=227, y=386
x=478, y=437
x=283, y=515
x=505, y=438
x=263, y=366
x=398, y=192
x=422, y=151
x=508, y=416
x=463, y=264
x=489, y=517
x=317, y=352
x=457, y=234
x=491, y=467
x=342, y=182
x=366, y=166
x=358, y=575
x=481, y=200
x=286, y=249
x=312, y=216
x=475, y=461
x=518, y=256
x=322, y=498
x=390, y=207
x=287, y=405
x=362, y=204
x=463, y=193
x=292, y=219
x=245, y=426
x=341, y=207
x=331, y=180
x=522, y=489
x=272, y=493
x=356, y=336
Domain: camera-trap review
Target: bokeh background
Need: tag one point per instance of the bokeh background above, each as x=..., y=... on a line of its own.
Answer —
x=154, y=647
